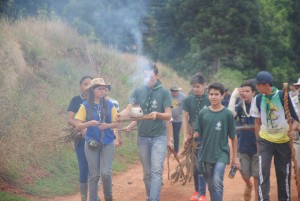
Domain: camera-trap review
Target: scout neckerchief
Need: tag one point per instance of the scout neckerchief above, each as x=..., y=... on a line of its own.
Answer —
x=245, y=109
x=199, y=99
x=269, y=98
x=149, y=96
x=102, y=115
x=101, y=111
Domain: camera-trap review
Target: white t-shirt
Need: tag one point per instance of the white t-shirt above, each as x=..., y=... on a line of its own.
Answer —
x=274, y=126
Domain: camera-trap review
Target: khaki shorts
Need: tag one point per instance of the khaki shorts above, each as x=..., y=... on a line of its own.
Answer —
x=249, y=165
x=297, y=150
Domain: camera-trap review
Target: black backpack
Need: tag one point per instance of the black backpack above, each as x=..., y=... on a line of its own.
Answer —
x=291, y=108
x=259, y=96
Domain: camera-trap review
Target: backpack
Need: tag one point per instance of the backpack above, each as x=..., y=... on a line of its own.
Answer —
x=291, y=108
x=259, y=97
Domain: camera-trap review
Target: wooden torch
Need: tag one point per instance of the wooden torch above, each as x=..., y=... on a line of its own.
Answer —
x=293, y=152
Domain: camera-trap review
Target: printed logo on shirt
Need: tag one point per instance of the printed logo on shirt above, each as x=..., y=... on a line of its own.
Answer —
x=218, y=126
x=154, y=104
x=175, y=103
x=272, y=115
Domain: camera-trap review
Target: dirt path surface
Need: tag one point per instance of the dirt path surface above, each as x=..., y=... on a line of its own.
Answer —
x=129, y=186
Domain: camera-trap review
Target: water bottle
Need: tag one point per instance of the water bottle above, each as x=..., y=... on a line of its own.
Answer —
x=232, y=172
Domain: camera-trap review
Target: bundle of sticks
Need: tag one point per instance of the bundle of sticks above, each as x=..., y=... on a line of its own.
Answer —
x=187, y=161
x=71, y=134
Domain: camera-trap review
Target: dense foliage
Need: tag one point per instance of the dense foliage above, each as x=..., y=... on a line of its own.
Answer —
x=248, y=35
x=191, y=35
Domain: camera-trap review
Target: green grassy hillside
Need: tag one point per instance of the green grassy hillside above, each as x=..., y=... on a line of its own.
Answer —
x=41, y=63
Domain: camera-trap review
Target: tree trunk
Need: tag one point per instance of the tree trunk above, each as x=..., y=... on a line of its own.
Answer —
x=216, y=64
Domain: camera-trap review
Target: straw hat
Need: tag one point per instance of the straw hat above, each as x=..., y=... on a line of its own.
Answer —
x=298, y=83
x=97, y=82
x=175, y=88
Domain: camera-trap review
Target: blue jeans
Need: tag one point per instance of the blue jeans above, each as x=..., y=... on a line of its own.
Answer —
x=82, y=162
x=100, y=162
x=176, y=135
x=214, y=175
x=152, y=152
x=199, y=180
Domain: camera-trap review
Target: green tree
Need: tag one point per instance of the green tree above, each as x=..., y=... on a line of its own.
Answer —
x=15, y=9
x=280, y=25
x=205, y=35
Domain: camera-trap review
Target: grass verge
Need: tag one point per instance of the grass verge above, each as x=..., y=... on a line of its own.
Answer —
x=61, y=177
x=4, y=196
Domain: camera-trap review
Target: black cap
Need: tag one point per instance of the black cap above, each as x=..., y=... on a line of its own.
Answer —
x=264, y=77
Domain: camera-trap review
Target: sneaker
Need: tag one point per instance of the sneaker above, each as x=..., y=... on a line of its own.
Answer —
x=247, y=193
x=202, y=198
x=195, y=196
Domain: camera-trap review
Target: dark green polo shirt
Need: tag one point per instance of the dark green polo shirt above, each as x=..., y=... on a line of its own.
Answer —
x=160, y=99
x=190, y=106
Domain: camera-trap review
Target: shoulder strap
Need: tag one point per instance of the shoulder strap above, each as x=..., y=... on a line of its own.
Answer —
x=259, y=97
x=291, y=108
x=258, y=101
x=281, y=97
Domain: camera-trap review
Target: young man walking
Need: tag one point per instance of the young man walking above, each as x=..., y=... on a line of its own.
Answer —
x=192, y=105
x=271, y=129
x=215, y=125
x=247, y=149
x=155, y=101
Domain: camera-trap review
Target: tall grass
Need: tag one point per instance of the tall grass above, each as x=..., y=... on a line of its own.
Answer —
x=41, y=63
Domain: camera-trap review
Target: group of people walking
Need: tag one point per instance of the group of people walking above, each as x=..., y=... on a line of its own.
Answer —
x=255, y=124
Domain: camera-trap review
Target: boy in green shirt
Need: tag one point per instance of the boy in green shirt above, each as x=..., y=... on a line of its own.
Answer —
x=215, y=124
x=192, y=104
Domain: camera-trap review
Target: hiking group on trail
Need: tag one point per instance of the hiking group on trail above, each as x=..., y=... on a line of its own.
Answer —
x=256, y=125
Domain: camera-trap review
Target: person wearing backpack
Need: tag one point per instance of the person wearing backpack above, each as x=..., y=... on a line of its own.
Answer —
x=247, y=149
x=271, y=129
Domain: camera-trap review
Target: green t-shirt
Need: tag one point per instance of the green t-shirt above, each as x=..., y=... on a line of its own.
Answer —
x=160, y=99
x=192, y=108
x=214, y=129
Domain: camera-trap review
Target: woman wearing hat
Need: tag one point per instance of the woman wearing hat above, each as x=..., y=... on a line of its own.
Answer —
x=98, y=116
x=79, y=141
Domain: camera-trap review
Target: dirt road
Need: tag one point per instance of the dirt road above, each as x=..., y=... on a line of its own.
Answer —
x=129, y=186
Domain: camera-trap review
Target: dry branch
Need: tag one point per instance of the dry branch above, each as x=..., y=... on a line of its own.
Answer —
x=187, y=161
x=128, y=118
x=245, y=127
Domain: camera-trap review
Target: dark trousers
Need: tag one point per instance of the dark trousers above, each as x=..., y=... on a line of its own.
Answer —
x=176, y=135
x=199, y=180
x=282, y=162
x=82, y=162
